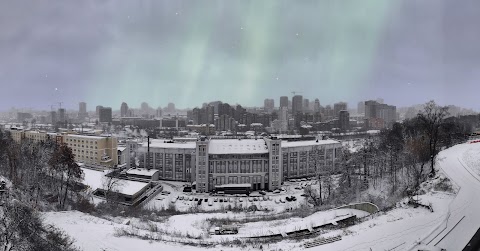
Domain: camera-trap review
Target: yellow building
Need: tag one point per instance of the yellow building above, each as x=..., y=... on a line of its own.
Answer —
x=95, y=150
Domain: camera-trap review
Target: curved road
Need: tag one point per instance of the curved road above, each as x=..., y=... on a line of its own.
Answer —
x=463, y=221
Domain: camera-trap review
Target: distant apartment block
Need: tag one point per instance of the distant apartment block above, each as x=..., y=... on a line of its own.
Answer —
x=94, y=150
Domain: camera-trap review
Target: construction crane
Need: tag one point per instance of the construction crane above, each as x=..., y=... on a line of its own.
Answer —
x=51, y=108
x=60, y=104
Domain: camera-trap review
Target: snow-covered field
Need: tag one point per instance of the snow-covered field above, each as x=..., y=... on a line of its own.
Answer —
x=93, y=233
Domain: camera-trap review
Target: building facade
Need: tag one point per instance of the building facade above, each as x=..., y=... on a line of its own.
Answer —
x=337, y=107
x=268, y=105
x=94, y=150
x=124, y=110
x=297, y=104
x=105, y=115
x=263, y=163
x=283, y=101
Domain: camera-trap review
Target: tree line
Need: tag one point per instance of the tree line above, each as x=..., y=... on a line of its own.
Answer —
x=398, y=160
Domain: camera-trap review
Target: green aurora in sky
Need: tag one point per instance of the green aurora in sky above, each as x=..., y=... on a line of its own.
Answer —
x=240, y=52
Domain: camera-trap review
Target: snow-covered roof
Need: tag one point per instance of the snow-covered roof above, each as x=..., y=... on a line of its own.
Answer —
x=308, y=143
x=121, y=148
x=84, y=136
x=95, y=180
x=235, y=146
x=142, y=171
x=162, y=143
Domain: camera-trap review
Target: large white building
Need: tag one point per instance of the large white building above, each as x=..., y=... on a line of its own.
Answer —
x=262, y=163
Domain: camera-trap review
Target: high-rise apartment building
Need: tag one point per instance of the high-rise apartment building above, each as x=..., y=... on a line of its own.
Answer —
x=82, y=110
x=343, y=120
x=61, y=115
x=297, y=104
x=124, y=110
x=97, y=110
x=269, y=105
x=361, y=107
x=379, y=115
x=283, y=101
x=306, y=105
x=316, y=106
x=105, y=114
x=337, y=107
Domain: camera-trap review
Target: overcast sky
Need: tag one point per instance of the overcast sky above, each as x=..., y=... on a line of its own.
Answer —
x=188, y=52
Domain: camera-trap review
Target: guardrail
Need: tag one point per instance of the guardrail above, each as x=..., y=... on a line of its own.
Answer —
x=364, y=206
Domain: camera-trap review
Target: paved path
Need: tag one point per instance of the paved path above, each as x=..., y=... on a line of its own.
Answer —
x=463, y=220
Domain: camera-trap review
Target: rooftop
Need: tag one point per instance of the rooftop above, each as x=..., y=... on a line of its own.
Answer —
x=162, y=143
x=95, y=180
x=308, y=143
x=235, y=146
x=84, y=136
x=142, y=171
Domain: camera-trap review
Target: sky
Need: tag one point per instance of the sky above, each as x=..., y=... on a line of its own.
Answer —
x=189, y=52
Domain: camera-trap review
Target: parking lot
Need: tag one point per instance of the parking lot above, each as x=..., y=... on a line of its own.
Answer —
x=288, y=198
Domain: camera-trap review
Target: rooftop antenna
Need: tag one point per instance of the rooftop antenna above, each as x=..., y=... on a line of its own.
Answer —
x=294, y=92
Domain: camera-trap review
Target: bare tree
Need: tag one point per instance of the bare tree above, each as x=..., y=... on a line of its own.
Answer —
x=432, y=118
x=112, y=184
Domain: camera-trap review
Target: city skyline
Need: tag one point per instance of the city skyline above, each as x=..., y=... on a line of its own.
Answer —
x=188, y=53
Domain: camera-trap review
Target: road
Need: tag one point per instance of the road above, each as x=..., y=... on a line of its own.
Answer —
x=464, y=218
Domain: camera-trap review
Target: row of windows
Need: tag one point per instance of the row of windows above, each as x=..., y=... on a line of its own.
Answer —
x=82, y=141
x=83, y=146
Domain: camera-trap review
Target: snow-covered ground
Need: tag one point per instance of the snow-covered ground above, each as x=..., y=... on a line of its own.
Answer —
x=93, y=233
x=450, y=225
x=471, y=157
x=461, y=164
x=396, y=228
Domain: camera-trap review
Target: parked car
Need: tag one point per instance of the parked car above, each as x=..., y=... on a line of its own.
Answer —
x=226, y=229
x=288, y=198
x=210, y=203
x=206, y=199
x=221, y=200
x=215, y=200
x=262, y=192
x=282, y=200
x=196, y=199
x=240, y=199
x=276, y=191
